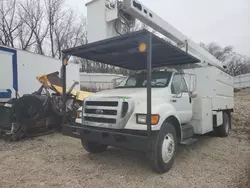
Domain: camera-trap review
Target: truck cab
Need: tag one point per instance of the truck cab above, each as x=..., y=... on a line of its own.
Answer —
x=125, y=106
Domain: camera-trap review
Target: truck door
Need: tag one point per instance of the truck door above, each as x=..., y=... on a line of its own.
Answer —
x=180, y=98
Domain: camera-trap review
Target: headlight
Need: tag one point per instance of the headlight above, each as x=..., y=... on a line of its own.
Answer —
x=142, y=119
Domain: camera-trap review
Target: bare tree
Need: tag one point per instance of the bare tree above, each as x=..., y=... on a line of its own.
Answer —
x=29, y=15
x=20, y=21
x=65, y=28
x=9, y=22
x=219, y=52
x=53, y=12
x=236, y=63
x=69, y=32
x=32, y=14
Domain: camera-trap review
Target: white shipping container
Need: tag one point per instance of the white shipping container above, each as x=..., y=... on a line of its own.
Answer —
x=19, y=70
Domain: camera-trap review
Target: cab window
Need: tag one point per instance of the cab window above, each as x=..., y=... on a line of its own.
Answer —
x=178, y=84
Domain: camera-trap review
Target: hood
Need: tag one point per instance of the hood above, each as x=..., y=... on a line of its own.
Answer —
x=139, y=96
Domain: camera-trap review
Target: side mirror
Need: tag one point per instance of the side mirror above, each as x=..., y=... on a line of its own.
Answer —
x=191, y=82
x=193, y=94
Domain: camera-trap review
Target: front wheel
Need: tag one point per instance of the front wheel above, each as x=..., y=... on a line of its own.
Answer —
x=164, y=149
x=93, y=147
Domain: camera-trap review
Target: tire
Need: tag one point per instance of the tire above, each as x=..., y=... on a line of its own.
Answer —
x=223, y=130
x=29, y=109
x=93, y=147
x=166, y=138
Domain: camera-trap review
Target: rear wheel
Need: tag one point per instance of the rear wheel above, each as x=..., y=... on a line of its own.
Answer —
x=164, y=149
x=223, y=130
x=93, y=147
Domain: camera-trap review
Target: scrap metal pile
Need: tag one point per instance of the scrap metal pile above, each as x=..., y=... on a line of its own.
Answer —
x=40, y=111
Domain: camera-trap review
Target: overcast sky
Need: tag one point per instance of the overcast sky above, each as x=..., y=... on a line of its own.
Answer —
x=226, y=22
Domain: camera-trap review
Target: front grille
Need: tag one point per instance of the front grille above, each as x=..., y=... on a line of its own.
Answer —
x=100, y=120
x=102, y=103
x=100, y=111
x=124, y=109
x=107, y=112
x=104, y=112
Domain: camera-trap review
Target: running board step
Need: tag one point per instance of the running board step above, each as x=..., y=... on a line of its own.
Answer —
x=187, y=131
x=189, y=141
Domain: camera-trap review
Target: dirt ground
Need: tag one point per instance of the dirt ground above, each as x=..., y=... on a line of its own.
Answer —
x=59, y=161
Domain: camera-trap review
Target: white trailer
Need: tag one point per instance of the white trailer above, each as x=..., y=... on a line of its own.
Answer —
x=19, y=70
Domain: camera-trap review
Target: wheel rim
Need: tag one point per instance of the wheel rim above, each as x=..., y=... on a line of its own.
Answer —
x=168, y=148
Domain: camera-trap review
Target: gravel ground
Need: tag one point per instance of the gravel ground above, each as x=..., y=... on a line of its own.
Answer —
x=59, y=161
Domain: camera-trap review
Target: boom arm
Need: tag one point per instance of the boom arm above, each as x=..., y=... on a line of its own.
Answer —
x=145, y=15
x=109, y=14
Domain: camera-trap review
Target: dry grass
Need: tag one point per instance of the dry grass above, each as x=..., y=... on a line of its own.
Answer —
x=241, y=115
x=241, y=123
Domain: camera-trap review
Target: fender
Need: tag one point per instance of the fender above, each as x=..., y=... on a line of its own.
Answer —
x=168, y=114
x=165, y=110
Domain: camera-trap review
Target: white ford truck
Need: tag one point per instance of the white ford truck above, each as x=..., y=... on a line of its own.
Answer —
x=151, y=111
x=118, y=117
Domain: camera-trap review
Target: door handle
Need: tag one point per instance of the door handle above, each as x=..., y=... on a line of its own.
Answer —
x=173, y=101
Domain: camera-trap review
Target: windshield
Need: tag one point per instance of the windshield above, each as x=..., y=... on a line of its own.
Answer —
x=159, y=79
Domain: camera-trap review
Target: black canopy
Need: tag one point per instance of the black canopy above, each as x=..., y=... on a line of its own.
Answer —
x=123, y=51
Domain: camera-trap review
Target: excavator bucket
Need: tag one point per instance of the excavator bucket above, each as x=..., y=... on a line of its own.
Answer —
x=54, y=82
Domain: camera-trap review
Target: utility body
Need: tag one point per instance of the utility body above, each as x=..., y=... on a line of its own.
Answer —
x=153, y=110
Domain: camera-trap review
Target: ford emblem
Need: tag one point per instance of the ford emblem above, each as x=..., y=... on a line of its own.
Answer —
x=98, y=111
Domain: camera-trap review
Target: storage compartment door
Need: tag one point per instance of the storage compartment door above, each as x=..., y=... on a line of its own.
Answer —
x=207, y=115
x=202, y=115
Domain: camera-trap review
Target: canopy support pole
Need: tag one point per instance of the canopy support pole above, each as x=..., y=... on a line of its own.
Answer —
x=64, y=97
x=149, y=96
